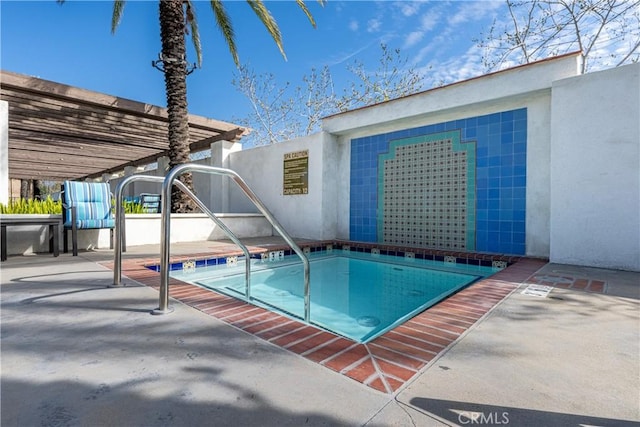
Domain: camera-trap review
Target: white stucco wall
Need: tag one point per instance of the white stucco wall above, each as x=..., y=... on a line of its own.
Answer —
x=482, y=90
x=324, y=212
x=145, y=229
x=538, y=140
x=311, y=215
x=522, y=87
x=595, y=169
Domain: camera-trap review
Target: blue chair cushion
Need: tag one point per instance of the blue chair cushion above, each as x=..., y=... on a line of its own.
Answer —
x=92, y=201
x=96, y=223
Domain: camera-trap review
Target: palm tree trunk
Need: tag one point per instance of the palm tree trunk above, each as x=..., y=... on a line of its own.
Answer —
x=25, y=189
x=172, y=34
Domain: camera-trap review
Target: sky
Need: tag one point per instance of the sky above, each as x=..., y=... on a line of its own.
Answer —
x=72, y=44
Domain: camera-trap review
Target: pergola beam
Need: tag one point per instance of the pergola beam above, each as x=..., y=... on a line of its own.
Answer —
x=61, y=132
x=204, y=144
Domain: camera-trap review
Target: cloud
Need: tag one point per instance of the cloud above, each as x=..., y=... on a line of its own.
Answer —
x=429, y=20
x=413, y=38
x=374, y=25
x=409, y=8
x=456, y=68
x=437, y=43
x=474, y=11
x=353, y=25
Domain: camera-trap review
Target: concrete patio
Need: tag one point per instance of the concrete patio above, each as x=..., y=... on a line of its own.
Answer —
x=78, y=353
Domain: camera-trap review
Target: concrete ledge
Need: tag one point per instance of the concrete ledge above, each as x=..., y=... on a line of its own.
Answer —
x=142, y=229
x=145, y=229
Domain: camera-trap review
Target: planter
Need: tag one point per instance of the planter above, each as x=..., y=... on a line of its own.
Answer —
x=141, y=229
x=25, y=239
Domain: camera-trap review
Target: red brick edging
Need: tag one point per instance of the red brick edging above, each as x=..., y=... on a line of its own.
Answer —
x=387, y=362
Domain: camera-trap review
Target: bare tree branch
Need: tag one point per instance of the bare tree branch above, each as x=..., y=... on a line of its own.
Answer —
x=607, y=32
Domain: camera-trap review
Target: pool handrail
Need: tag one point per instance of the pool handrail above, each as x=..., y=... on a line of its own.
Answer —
x=163, y=306
x=119, y=232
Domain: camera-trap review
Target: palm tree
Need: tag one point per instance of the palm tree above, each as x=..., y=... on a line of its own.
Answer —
x=177, y=18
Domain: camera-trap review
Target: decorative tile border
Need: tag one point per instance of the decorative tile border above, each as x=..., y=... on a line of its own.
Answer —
x=496, y=178
x=426, y=192
x=470, y=258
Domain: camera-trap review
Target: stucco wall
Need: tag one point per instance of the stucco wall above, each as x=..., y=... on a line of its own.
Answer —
x=520, y=87
x=311, y=215
x=145, y=229
x=492, y=87
x=324, y=213
x=538, y=139
x=595, y=169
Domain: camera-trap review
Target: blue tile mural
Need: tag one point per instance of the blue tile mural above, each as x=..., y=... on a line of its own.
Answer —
x=499, y=197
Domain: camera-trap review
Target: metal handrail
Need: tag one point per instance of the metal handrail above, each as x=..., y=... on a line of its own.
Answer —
x=117, y=261
x=163, y=307
x=228, y=232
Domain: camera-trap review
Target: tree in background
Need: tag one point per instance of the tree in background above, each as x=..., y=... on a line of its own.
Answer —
x=607, y=32
x=272, y=113
x=177, y=19
x=393, y=78
x=33, y=189
x=316, y=100
x=277, y=115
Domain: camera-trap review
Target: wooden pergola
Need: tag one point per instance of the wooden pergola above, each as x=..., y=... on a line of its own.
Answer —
x=59, y=132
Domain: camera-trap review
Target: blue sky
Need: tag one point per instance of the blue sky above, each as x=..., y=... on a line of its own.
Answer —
x=72, y=44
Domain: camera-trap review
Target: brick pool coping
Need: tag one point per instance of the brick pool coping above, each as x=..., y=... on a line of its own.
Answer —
x=384, y=364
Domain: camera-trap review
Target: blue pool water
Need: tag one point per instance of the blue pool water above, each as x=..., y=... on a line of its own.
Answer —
x=356, y=295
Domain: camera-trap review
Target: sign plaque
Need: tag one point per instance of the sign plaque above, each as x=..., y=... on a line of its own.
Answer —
x=296, y=173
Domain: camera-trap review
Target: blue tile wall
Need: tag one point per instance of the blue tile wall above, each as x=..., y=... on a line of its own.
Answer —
x=501, y=175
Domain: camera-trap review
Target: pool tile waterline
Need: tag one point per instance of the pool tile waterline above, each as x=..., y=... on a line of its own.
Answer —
x=384, y=364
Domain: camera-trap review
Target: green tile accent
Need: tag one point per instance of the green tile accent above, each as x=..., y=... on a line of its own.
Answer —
x=423, y=206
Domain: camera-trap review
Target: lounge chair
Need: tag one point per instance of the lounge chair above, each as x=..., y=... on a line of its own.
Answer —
x=150, y=202
x=86, y=205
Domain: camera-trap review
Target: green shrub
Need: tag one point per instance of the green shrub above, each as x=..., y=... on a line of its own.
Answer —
x=53, y=207
x=132, y=207
x=29, y=206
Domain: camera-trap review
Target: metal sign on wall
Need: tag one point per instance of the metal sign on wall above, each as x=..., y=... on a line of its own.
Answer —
x=296, y=173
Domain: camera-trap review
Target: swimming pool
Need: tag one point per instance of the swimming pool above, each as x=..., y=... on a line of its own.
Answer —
x=356, y=295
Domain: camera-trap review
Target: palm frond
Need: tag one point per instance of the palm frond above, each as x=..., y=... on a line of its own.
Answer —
x=224, y=24
x=267, y=20
x=192, y=21
x=118, y=8
x=304, y=8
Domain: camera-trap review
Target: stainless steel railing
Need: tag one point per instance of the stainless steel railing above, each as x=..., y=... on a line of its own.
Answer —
x=163, y=307
x=119, y=232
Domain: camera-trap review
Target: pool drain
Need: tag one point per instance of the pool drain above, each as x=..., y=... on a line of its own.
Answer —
x=368, y=321
x=282, y=293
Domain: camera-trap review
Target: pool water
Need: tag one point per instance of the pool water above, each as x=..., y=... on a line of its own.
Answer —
x=356, y=295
